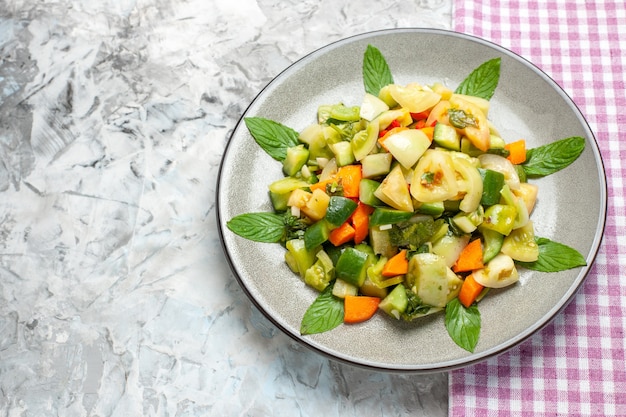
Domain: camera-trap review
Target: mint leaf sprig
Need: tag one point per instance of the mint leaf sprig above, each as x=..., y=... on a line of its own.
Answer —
x=554, y=257
x=324, y=314
x=552, y=157
x=376, y=72
x=482, y=82
x=273, y=137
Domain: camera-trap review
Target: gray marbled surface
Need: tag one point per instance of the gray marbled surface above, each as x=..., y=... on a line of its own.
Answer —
x=115, y=297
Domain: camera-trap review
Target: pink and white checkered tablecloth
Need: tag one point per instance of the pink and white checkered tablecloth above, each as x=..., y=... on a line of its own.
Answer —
x=576, y=366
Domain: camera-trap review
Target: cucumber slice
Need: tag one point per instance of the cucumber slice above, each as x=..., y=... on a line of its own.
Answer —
x=382, y=215
x=352, y=266
x=295, y=159
x=316, y=234
x=447, y=137
x=339, y=210
x=396, y=302
x=367, y=188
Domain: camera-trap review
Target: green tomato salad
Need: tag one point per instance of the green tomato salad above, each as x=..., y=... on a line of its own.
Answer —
x=408, y=203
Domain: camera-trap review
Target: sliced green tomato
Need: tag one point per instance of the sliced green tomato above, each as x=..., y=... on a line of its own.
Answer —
x=376, y=165
x=471, y=183
x=428, y=278
x=401, y=115
x=352, y=266
x=522, y=212
x=407, y=146
x=339, y=210
x=498, y=273
x=439, y=114
x=434, y=178
x=298, y=257
x=520, y=244
x=454, y=285
x=394, y=191
x=414, y=97
x=372, y=107
x=321, y=273
x=344, y=113
x=528, y=193
x=478, y=134
x=385, y=96
x=500, y=218
x=479, y=102
x=365, y=141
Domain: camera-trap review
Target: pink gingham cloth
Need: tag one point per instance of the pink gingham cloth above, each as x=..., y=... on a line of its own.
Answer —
x=576, y=366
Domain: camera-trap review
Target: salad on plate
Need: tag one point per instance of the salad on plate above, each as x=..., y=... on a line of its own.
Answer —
x=408, y=204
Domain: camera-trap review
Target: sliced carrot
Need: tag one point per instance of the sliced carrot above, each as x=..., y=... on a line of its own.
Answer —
x=360, y=220
x=342, y=234
x=396, y=265
x=517, y=151
x=359, y=308
x=469, y=291
x=321, y=185
x=429, y=131
x=350, y=177
x=471, y=257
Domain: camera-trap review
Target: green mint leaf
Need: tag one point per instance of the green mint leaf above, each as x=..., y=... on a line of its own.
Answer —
x=324, y=314
x=554, y=257
x=259, y=227
x=376, y=72
x=553, y=157
x=272, y=136
x=463, y=324
x=481, y=82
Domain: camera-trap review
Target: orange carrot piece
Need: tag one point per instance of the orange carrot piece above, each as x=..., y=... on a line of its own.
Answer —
x=396, y=265
x=321, y=185
x=342, y=234
x=359, y=308
x=429, y=131
x=517, y=151
x=471, y=257
x=350, y=177
x=360, y=220
x=470, y=289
